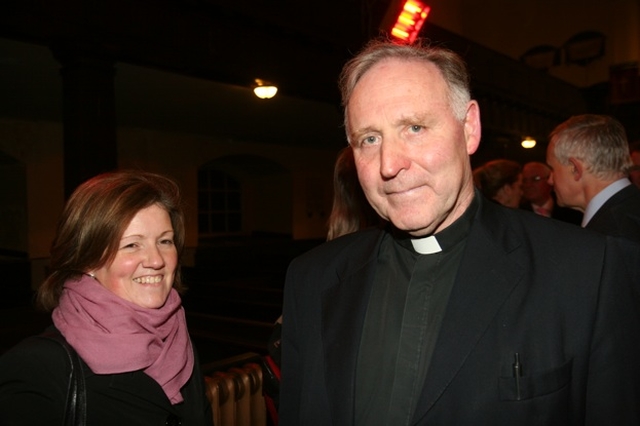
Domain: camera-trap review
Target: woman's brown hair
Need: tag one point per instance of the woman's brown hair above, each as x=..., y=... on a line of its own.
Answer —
x=94, y=219
x=351, y=211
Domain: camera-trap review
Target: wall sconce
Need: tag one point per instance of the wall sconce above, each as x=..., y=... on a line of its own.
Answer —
x=528, y=142
x=264, y=89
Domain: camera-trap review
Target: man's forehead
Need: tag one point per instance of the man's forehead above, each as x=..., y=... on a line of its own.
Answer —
x=410, y=67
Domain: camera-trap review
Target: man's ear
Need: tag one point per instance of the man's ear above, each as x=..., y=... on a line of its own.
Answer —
x=577, y=168
x=472, y=127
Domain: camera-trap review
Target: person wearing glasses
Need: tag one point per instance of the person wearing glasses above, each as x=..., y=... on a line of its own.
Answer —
x=538, y=196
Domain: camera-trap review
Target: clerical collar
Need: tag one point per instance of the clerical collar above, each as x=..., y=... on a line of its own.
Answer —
x=444, y=239
x=426, y=245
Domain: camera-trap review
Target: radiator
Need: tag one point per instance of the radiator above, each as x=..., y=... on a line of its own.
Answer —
x=236, y=396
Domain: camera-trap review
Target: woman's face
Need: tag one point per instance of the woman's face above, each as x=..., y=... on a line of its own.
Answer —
x=145, y=264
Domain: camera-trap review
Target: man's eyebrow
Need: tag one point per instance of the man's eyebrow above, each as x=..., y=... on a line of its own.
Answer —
x=357, y=133
x=412, y=119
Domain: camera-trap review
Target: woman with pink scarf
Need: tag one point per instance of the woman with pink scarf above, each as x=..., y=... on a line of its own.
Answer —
x=113, y=290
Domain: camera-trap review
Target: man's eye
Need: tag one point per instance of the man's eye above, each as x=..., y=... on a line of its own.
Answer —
x=416, y=128
x=369, y=140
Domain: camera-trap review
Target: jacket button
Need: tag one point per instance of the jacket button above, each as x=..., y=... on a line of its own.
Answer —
x=173, y=420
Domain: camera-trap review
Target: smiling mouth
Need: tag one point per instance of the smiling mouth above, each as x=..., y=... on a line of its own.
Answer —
x=148, y=280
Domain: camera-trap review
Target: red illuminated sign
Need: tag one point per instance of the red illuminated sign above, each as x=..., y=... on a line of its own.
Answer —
x=412, y=17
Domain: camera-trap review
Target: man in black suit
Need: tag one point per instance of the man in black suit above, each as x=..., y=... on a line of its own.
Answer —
x=461, y=311
x=590, y=161
x=634, y=172
x=538, y=197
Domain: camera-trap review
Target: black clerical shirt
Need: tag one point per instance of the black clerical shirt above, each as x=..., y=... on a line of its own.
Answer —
x=405, y=310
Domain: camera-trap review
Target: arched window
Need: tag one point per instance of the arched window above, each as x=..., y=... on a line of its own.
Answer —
x=219, y=203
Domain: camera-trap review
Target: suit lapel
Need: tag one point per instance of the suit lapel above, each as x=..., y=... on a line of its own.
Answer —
x=343, y=311
x=486, y=276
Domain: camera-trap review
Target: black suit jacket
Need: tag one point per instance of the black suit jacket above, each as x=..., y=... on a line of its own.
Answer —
x=564, y=214
x=33, y=387
x=619, y=215
x=549, y=291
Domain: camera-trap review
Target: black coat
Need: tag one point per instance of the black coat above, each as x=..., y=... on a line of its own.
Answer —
x=619, y=215
x=550, y=291
x=564, y=214
x=33, y=387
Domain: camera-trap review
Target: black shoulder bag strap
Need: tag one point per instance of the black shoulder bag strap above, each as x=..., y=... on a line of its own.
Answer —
x=76, y=407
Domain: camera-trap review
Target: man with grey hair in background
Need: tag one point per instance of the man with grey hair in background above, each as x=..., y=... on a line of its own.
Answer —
x=590, y=161
x=460, y=311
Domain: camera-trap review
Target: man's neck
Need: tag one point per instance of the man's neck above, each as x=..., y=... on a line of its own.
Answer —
x=593, y=186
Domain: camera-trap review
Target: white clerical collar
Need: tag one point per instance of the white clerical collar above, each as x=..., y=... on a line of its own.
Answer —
x=426, y=245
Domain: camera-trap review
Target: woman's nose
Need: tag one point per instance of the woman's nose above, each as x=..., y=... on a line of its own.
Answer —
x=154, y=258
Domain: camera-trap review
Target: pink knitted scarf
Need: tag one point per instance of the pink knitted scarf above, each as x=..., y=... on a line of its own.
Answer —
x=113, y=335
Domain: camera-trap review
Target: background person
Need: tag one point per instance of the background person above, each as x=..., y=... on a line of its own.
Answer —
x=350, y=212
x=538, y=197
x=463, y=311
x=589, y=158
x=500, y=180
x=113, y=290
x=634, y=171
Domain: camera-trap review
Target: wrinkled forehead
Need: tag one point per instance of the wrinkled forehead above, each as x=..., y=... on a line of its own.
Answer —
x=398, y=78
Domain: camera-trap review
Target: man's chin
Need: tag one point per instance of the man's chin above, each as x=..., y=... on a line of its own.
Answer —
x=416, y=230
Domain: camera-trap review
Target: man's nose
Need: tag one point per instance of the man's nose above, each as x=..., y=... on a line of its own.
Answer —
x=393, y=158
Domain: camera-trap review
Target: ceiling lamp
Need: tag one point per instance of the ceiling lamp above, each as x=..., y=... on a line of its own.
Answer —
x=528, y=142
x=409, y=22
x=264, y=90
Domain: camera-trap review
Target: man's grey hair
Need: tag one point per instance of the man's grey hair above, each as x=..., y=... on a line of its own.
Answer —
x=450, y=64
x=599, y=141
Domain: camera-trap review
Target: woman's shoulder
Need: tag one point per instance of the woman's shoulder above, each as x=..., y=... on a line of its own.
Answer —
x=41, y=354
x=34, y=375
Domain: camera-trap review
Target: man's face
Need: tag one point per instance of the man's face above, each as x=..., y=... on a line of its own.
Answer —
x=563, y=180
x=535, y=185
x=411, y=152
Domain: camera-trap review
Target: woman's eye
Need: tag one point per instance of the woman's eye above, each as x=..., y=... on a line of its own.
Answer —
x=168, y=242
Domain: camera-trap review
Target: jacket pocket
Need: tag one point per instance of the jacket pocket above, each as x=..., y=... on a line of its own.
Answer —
x=531, y=386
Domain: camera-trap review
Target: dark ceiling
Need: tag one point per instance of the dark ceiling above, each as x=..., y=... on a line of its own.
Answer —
x=301, y=48
x=188, y=65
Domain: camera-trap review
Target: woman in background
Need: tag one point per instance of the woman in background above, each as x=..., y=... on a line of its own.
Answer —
x=350, y=212
x=113, y=292
x=501, y=181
